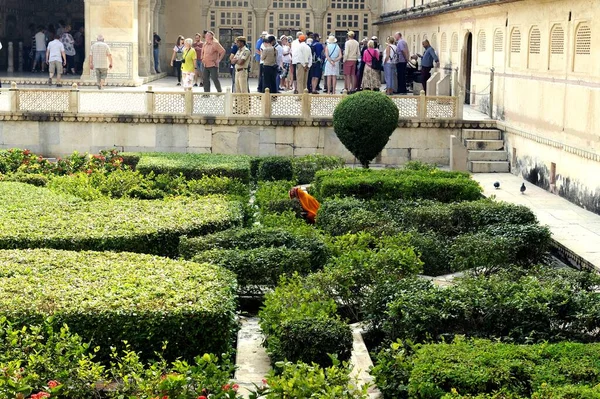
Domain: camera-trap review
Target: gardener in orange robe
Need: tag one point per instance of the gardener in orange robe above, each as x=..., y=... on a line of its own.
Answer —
x=308, y=203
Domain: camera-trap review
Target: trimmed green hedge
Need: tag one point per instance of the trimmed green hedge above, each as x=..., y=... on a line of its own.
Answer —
x=305, y=240
x=273, y=197
x=303, y=168
x=300, y=322
x=111, y=297
x=193, y=166
x=350, y=215
x=275, y=168
x=546, y=305
x=260, y=267
x=468, y=368
x=392, y=184
x=32, y=217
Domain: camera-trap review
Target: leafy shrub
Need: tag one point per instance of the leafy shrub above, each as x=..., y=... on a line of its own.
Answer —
x=349, y=215
x=303, y=381
x=486, y=369
x=259, y=267
x=307, y=166
x=131, y=159
x=364, y=123
x=434, y=251
x=275, y=168
x=195, y=166
x=305, y=240
x=79, y=185
x=418, y=165
x=32, y=217
x=34, y=179
x=108, y=298
x=294, y=305
x=549, y=304
x=273, y=197
x=392, y=184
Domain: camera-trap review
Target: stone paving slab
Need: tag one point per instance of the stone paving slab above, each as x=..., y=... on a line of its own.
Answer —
x=252, y=360
x=571, y=225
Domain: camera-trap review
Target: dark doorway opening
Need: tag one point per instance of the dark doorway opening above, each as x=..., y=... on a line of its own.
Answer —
x=468, y=65
x=227, y=38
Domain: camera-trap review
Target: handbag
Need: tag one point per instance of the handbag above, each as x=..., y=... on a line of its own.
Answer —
x=376, y=62
x=185, y=55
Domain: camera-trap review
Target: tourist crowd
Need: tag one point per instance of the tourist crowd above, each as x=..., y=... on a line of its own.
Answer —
x=287, y=64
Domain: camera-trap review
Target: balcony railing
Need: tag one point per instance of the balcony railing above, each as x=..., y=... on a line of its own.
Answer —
x=74, y=102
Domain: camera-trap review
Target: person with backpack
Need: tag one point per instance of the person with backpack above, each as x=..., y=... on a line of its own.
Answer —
x=372, y=61
x=333, y=56
x=316, y=69
x=177, y=57
x=389, y=65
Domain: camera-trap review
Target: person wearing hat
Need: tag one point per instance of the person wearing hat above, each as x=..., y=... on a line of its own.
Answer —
x=287, y=60
x=351, y=54
x=257, y=51
x=240, y=62
x=268, y=58
x=295, y=59
x=333, y=55
x=303, y=62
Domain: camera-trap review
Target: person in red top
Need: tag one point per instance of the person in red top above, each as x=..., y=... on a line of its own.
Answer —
x=212, y=54
x=309, y=204
x=198, y=44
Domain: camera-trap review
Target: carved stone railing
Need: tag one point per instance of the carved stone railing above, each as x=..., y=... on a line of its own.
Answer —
x=305, y=106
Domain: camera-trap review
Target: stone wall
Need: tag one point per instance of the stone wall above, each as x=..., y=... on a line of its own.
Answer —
x=427, y=142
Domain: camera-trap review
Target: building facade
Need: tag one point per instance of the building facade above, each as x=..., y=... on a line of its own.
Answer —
x=546, y=93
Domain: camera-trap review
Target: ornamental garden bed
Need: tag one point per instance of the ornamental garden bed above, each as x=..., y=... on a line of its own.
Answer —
x=32, y=217
x=111, y=298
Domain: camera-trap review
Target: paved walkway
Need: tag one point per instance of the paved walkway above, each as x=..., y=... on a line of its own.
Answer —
x=571, y=226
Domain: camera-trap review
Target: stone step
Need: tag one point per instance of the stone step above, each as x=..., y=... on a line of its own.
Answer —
x=489, y=166
x=481, y=134
x=478, y=155
x=485, y=145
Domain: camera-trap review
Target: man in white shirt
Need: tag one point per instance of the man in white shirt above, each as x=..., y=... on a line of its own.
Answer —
x=302, y=60
x=56, y=60
x=100, y=60
x=40, y=49
x=294, y=50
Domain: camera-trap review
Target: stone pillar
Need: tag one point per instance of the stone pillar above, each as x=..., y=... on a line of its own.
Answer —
x=20, y=61
x=144, y=55
x=11, y=58
x=320, y=23
x=117, y=21
x=261, y=21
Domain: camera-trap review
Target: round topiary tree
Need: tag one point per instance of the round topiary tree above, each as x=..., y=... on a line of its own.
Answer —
x=364, y=123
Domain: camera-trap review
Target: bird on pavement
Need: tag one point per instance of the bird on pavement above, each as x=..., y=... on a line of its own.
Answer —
x=497, y=185
x=523, y=188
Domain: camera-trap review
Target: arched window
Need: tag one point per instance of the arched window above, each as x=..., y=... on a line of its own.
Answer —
x=515, y=47
x=583, y=46
x=454, y=43
x=443, y=44
x=556, y=60
x=535, y=48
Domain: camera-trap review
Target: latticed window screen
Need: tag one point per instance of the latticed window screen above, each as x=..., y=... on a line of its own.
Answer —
x=231, y=3
x=348, y=4
x=557, y=40
x=515, y=41
x=481, y=42
x=289, y=20
x=535, y=41
x=347, y=21
x=443, y=43
x=498, y=41
x=454, y=44
x=231, y=18
x=213, y=20
x=290, y=4
x=583, y=39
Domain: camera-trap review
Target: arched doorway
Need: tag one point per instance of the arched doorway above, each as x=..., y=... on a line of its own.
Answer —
x=467, y=60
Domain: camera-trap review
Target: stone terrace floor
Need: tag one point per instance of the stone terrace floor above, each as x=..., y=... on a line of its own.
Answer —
x=571, y=226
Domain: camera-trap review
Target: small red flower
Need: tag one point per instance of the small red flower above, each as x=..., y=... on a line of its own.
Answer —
x=226, y=387
x=89, y=171
x=165, y=397
x=53, y=384
x=202, y=397
x=235, y=387
x=26, y=152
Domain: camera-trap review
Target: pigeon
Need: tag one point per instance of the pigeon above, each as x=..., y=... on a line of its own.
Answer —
x=523, y=188
x=497, y=185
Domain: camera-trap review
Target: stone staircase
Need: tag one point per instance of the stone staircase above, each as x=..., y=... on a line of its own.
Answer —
x=486, y=153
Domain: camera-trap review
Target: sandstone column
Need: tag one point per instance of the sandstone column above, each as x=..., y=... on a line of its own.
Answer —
x=143, y=37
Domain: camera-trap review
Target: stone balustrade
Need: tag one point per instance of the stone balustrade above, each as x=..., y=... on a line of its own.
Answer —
x=187, y=104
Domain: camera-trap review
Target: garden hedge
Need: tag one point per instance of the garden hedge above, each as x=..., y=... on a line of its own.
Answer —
x=193, y=166
x=273, y=197
x=350, y=215
x=33, y=217
x=305, y=240
x=469, y=368
x=392, y=184
x=275, y=168
x=544, y=304
x=258, y=268
x=109, y=298
x=303, y=168
x=300, y=322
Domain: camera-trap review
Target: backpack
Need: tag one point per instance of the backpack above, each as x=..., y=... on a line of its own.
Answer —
x=376, y=61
